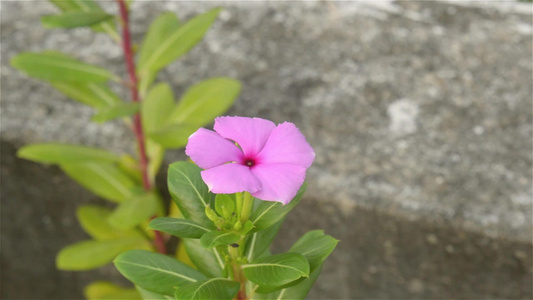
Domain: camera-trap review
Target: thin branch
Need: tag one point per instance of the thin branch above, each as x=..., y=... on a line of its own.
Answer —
x=137, y=122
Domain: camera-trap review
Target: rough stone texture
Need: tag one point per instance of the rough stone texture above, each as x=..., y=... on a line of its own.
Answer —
x=420, y=114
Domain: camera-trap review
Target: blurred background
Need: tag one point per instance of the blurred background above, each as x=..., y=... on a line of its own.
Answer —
x=420, y=114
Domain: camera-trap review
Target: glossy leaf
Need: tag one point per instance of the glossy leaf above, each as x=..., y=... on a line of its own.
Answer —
x=296, y=292
x=133, y=211
x=93, y=219
x=179, y=42
x=53, y=67
x=258, y=242
x=120, y=110
x=189, y=191
x=268, y=213
x=210, y=289
x=55, y=153
x=277, y=270
x=215, y=238
x=160, y=31
x=174, y=135
x=105, y=180
x=206, y=100
x=178, y=227
x=156, y=107
x=74, y=19
x=208, y=261
x=315, y=246
x=96, y=95
x=155, y=272
x=106, y=290
x=91, y=254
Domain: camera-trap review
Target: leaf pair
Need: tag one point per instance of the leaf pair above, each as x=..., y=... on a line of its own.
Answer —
x=167, y=124
x=107, y=244
x=162, y=275
x=315, y=246
x=171, y=125
x=166, y=41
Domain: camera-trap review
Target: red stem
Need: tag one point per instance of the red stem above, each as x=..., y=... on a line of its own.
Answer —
x=137, y=123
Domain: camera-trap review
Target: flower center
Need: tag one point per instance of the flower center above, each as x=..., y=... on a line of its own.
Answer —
x=250, y=162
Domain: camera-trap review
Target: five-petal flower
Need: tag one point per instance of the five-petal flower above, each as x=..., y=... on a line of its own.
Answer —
x=268, y=161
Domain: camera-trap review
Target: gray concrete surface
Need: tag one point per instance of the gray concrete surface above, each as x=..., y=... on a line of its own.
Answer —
x=420, y=114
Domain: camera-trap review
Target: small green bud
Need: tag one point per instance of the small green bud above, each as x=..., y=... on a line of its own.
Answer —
x=237, y=226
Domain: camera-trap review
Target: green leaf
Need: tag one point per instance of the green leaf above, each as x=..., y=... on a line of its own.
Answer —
x=315, y=246
x=215, y=238
x=106, y=290
x=155, y=272
x=131, y=212
x=208, y=261
x=258, y=242
x=160, y=31
x=96, y=95
x=225, y=205
x=178, y=227
x=147, y=295
x=213, y=289
x=206, y=100
x=277, y=270
x=53, y=67
x=88, y=6
x=120, y=110
x=105, y=180
x=54, y=153
x=296, y=292
x=173, y=136
x=91, y=254
x=93, y=219
x=74, y=19
x=189, y=192
x=156, y=107
x=179, y=42
x=268, y=213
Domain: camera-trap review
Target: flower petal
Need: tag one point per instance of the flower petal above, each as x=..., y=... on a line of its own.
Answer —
x=231, y=178
x=286, y=144
x=280, y=182
x=250, y=133
x=208, y=149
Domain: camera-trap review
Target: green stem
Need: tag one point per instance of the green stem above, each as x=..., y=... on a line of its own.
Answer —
x=238, y=203
x=159, y=240
x=247, y=205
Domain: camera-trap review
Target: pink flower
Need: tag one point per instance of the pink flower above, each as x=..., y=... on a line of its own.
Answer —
x=269, y=162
